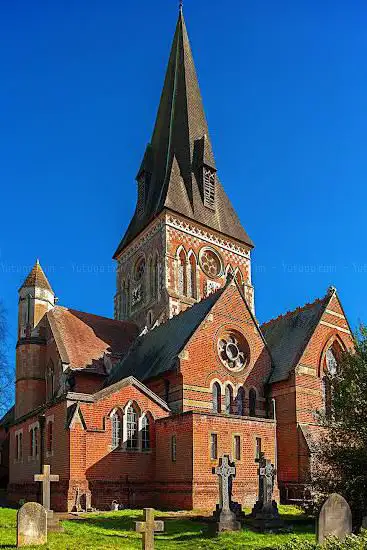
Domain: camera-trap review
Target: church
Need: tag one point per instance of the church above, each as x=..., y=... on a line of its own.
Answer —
x=139, y=408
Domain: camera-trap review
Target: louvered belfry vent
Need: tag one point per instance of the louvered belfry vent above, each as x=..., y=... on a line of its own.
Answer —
x=209, y=187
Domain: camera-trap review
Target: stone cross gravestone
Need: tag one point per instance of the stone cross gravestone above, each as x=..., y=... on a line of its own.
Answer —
x=31, y=525
x=148, y=528
x=46, y=478
x=224, y=515
x=335, y=518
x=265, y=511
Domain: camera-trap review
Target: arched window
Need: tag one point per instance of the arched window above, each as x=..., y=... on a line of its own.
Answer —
x=145, y=433
x=240, y=402
x=229, y=399
x=182, y=275
x=155, y=277
x=116, y=430
x=331, y=366
x=131, y=428
x=239, y=279
x=151, y=278
x=252, y=402
x=192, y=279
x=217, y=398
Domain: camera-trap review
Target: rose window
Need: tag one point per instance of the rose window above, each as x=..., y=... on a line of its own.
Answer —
x=210, y=262
x=233, y=351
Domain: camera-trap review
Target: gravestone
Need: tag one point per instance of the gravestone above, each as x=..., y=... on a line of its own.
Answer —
x=335, y=518
x=226, y=514
x=46, y=478
x=31, y=525
x=148, y=528
x=265, y=511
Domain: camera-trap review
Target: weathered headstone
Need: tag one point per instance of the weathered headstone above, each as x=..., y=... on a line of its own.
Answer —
x=31, y=525
x=225, y=516
x=335, y=518
x=148, y=528
x=265, y=511
x=46, y=478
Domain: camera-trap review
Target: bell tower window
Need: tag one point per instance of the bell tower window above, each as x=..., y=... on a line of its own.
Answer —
x=209, y=187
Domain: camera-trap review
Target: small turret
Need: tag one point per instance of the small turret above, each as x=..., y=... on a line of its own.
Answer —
x=36, y=298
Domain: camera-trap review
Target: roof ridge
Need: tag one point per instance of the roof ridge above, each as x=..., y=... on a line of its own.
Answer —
x=298, y=309
x=65, y=308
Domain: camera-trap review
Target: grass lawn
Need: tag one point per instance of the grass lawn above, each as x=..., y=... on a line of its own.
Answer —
x=112, y=530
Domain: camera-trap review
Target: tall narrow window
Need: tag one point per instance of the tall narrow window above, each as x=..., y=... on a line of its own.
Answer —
x=217, y=398
x=192, y=277
x=116, y=430
x=145, y=433
x=151, y=278
x=19, y=446
x=252, y=402
x=182, y=275
x=237, y=447
x=257, y=448
x=213, y=446
x=132, y=428
x=166, y=390
x=33, y=434
x=50, y=434
x=154, y=277
x=239, y=279
x=240, y=402
x=327, y=388
x=229, y=399
x=209, y=187
x=174, y=448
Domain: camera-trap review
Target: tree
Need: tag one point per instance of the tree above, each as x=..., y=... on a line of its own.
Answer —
x=340, y=463
x=6, y=374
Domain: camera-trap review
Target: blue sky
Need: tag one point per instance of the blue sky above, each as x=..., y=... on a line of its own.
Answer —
x=284, y=86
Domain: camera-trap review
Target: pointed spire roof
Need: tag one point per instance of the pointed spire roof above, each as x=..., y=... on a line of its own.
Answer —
x=36, y=278
x=179, y=148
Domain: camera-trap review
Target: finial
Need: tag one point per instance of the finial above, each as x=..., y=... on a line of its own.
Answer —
x=181, y=6
x=37, y=261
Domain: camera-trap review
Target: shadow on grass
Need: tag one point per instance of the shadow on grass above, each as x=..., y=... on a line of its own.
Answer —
x=177, y=529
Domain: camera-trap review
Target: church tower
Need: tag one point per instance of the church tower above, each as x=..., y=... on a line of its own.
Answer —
x=185, y=237
x=36, y=297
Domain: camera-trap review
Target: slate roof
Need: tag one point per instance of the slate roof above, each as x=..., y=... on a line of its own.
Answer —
x=156, y=352
x=179, y=147
x=82, y=338
x=37, y=278
x=288, y=335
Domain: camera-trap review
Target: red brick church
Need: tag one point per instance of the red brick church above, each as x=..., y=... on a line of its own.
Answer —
x=139, y=408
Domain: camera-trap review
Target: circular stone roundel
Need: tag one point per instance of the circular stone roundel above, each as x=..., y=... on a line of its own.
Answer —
x=233, y=350
x=210, y=262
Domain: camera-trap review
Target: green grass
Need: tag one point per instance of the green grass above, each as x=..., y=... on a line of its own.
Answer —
x=115, y=530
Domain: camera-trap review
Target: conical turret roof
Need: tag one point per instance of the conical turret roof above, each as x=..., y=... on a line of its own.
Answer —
x=36, y=278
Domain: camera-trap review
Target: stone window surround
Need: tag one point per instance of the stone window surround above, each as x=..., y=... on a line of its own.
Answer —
x=36, y=456
x=260, y=413
x=49, y=419
x=17, y=433
x=234, y=435
x=123, y=415
x=213, y=459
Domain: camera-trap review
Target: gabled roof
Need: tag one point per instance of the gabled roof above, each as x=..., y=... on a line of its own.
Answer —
x=156, y=352
x=8, y=418
x=180, y=146
x=82, y=338
x=288, y=335
x=36, y=278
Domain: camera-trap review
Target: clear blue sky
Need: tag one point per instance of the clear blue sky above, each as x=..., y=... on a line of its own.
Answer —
x=285, y=90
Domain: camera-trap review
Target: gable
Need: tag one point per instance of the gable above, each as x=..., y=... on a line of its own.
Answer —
x=202, y=360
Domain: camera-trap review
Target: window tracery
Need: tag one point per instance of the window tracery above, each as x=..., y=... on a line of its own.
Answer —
x=233, y=350
x=131, y=428
x=210, y=262
x=209, y=187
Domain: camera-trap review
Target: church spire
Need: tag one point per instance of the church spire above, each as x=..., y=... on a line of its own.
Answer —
x=178, y=171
